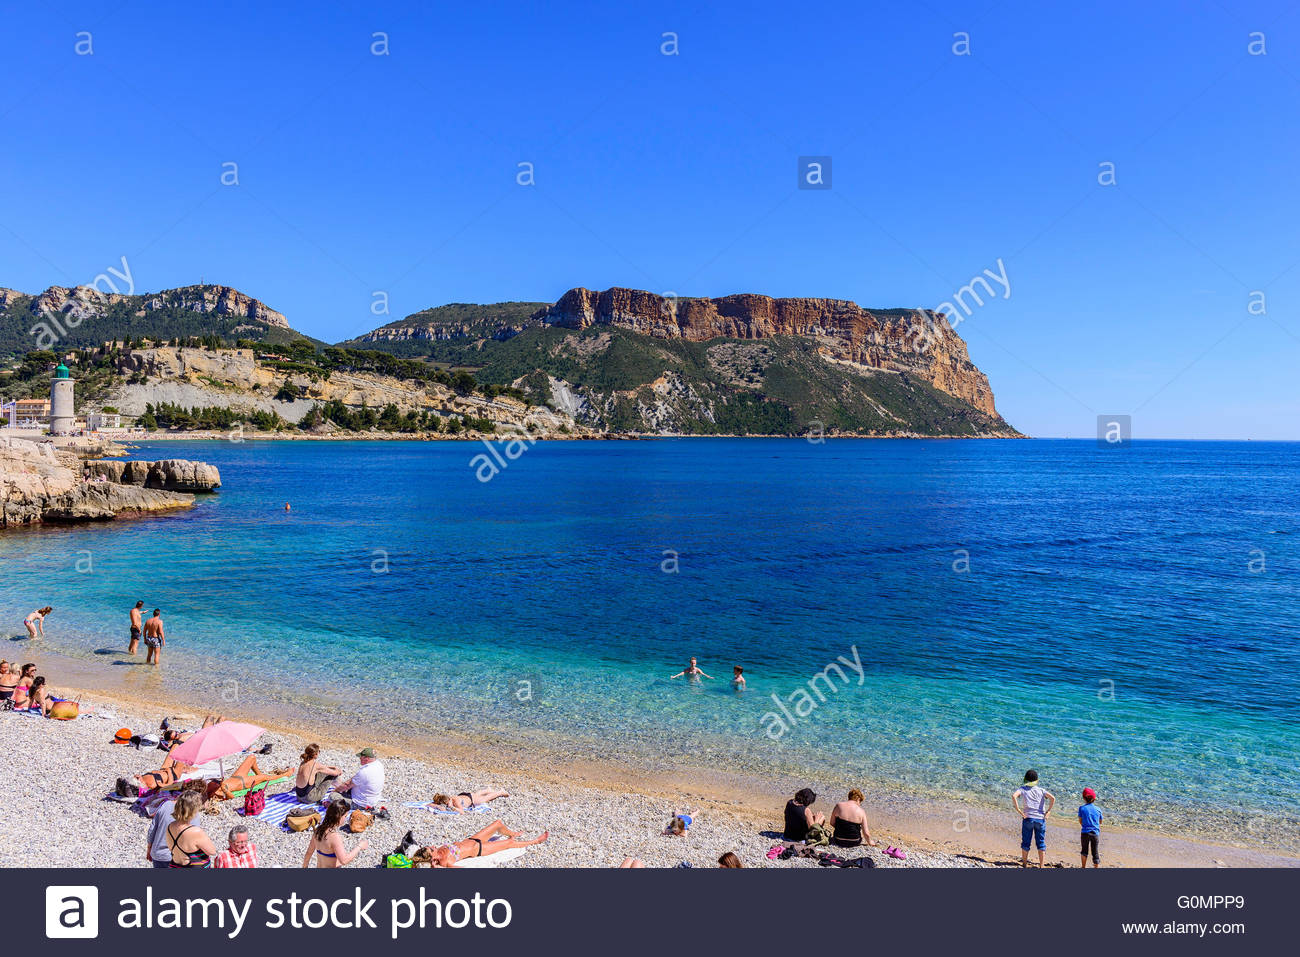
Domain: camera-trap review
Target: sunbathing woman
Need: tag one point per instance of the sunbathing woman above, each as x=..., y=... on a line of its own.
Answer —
x=327, y=843
x=248, y=775
x=466, y=799
x=8, y=681
x=22, y=692
x=24, y=686
x=172, y=737
x=479, y=845
x=39, y=699
x=313, y=777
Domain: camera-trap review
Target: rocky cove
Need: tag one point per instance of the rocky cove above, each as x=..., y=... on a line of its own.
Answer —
x=41, y=484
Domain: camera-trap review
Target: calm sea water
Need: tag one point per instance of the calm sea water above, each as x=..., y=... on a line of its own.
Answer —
x=1120, y=618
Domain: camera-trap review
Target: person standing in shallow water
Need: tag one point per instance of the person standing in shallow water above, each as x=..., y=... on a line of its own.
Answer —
x=154, y=638
x=692, y=672
x=136, y=626
x=35, y=622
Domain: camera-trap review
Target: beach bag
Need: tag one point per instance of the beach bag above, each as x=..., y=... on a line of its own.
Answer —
x=359, y=821
x=254, y=803
x=65, y=710
x=301, y=822
x=818, y=836
x=397, y=860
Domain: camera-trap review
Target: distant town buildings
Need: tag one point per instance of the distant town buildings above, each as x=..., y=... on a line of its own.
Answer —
x=30, y=411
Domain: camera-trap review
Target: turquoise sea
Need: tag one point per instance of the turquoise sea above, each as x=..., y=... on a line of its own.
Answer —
x=1123, y=618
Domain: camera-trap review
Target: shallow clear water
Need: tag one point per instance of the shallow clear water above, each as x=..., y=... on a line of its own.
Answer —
x=1108, y=628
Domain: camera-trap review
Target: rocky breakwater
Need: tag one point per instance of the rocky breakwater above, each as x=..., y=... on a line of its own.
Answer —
x=917, y=341
x=41, y=485
x=170, y=475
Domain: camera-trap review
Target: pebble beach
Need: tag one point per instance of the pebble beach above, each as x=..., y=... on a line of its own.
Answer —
x=58, y=774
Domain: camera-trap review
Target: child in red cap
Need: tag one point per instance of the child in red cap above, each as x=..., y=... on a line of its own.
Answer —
x=1089, y=829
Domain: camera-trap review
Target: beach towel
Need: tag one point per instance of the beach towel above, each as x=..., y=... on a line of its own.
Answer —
x=493, y=860
x=278, y=807
x=439, y=809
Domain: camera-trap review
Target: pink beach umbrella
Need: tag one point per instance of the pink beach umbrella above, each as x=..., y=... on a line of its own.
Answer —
x=216, y=743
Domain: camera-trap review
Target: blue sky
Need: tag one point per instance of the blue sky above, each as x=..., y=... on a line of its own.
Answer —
x=397, y=173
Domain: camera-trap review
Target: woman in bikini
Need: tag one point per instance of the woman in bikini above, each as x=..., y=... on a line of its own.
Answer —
x=190, y=846
x=480, y=845
x=8, y=681
x=327, y=843
x=35, y=622
x=21, y=691
x=313, y=777
x=466, y=799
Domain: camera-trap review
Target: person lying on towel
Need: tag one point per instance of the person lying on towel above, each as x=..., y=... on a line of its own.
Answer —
x=480, y=844
x=248, y=776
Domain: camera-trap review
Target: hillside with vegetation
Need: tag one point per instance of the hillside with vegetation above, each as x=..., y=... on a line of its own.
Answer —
x=80, y=319
x=641, y=367
x=622, y=361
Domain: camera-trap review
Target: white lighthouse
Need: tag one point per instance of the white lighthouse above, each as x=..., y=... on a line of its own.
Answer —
x=62, y=418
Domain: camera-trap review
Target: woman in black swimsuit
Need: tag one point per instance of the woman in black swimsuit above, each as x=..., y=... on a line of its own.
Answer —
x=849, y=823
x=190, y=846
x=8, y=681
x=313, y=778
x=799, y=815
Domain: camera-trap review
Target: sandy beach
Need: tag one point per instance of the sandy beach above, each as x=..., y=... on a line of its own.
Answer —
x=58, y=774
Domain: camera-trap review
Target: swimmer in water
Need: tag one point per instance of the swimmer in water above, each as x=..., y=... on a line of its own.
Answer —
x=692, y=672
x=738, y=678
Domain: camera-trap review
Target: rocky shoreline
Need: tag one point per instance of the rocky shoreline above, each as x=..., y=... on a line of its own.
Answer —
x=41, y=484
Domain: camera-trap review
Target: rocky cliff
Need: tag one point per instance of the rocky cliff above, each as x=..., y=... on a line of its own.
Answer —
x=39, y=485
x=918, y=342
x=88, y=316
x=91, y=302
x=170, y=475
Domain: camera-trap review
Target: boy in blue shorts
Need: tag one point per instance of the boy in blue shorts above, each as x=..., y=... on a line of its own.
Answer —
x=1089, y=829
x=1033, y=803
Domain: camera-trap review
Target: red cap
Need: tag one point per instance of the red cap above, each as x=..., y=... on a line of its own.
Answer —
x=1089, y=794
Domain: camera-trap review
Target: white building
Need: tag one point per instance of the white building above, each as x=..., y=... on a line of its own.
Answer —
x=98, y=421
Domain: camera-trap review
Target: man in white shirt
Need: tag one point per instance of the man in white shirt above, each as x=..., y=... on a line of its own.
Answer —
x=365, y=789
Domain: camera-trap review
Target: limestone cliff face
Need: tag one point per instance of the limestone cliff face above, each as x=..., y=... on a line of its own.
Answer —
x=221, y=300
x=90, y=301
x=919, y=342
x=233, y=378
